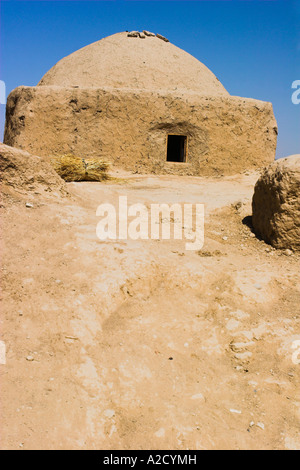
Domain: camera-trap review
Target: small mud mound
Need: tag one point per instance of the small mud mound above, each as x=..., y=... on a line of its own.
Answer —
x=22, y=172
x=276, y=204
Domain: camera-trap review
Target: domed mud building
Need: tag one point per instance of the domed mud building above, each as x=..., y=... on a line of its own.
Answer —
x=142, y=103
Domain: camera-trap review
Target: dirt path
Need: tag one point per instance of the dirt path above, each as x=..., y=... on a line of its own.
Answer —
x=142, y=344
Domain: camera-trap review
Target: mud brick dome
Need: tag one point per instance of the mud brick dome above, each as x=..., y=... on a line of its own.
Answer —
x=120, y=61
x=145, y=105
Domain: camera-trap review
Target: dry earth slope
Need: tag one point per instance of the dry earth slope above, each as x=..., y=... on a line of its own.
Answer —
x=142, y=344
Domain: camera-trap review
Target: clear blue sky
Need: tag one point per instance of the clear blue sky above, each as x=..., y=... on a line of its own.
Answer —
x=252, y=46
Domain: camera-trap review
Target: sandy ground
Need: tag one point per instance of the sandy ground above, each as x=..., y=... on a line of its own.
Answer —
x=142, y=344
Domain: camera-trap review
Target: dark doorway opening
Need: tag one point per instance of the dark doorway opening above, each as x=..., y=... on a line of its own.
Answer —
x=176, y=151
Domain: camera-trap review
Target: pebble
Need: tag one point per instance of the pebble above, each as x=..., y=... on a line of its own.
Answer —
x=232, y=324
x=159, y=36
x=232, y=410
x=261, y=425
x=160, y=433
x=2, y=353
x=133, y=34
x=72, y=338
x=253, y=383
x=238, y=205
x=148, y=33
x=198, y=396
x=243, y=356
x=224, y=238
x=29, y=358
x=288, y=252
x=109, y=413
x=28, y=204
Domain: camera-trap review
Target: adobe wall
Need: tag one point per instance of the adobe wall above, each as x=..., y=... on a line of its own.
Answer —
x=226, y=135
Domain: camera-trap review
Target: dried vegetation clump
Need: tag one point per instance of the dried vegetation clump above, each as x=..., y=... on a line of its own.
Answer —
x=73, y=168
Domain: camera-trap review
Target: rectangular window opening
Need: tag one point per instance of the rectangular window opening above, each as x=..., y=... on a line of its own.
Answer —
x=176, y=150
